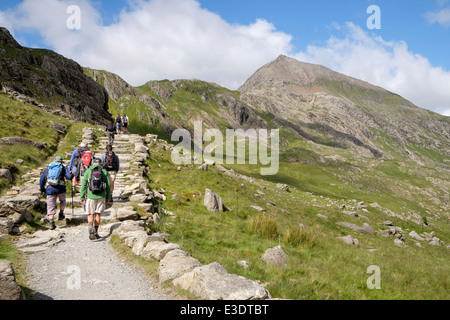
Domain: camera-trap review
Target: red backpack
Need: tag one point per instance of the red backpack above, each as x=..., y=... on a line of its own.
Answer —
x=86, y=162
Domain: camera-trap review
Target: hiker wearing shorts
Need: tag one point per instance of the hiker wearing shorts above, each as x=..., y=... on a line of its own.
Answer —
x=56, y=188
x=95, y=195
x=111, y=164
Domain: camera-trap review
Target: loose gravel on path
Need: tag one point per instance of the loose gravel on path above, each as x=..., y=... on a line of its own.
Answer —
x=81, y=269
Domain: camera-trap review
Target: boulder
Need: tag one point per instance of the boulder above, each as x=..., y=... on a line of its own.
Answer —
x=127, y=213
x=213, y=202
x=129, y=225
x=158, y=250
x=6, y=226
x=399, y=243
x=6, y=174
x=258, y=208
x=20, y=204
x=275, y=257
x=22, y=141
x=140, y=243
x=415, y=236
x=213, y=282
x=350, y=240
x=175, y=264
x=9, y=289
x=283, y=187
x=244, y=264
x=364, y=229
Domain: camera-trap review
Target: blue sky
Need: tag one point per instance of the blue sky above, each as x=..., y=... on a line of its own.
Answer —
x=226, y=41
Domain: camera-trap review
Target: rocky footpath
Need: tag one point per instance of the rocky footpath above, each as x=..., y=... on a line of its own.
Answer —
x=120, y=218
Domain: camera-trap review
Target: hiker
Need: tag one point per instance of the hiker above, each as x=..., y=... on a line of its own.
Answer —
x=75, y=162
x=53, y=183
x=126, y=123
x=111, y=164
x=95, y=195
x=119, y=124
x=111, y=132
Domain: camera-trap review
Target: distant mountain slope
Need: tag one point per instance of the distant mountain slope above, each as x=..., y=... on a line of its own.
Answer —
x=161, y=107
x=51, y=79
x=323, y=105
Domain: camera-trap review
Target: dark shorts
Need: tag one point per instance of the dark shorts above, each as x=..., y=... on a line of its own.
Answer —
x=125, y=125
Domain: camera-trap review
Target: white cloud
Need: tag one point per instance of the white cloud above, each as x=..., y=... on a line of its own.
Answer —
x=177, y=39
x=156, y=39
x=387, y=64
x=442, y=17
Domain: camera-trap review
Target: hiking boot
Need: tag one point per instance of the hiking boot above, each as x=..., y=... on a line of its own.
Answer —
x=97, y=236
x=92, y=233
x=52, y=225
x=61, y=216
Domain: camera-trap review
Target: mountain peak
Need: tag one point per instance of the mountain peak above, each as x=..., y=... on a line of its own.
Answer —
x=7, y=39
x=285, y=70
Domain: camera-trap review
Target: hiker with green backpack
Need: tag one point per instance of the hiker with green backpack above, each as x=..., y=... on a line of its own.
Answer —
x=53, y=183
x=111, y=164
x=95, y=195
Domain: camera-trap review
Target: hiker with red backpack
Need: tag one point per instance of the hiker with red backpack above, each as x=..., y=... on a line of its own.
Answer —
x=111, y=164
x=53, y=183
x=75, y=163
x=95, y=195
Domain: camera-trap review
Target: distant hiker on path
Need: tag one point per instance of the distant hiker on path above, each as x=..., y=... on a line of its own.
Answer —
x=119, y=124
x=95, y=194
x=53, y=183
x=75, y=162
x=111, y=164
x=126, y=123
x=111, y=132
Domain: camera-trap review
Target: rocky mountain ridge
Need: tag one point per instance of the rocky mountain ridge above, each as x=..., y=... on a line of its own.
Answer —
x=52, y=80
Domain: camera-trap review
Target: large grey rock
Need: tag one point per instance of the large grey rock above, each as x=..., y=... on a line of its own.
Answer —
x=6, y=225
x=129, y=225
x=213, y=282
x=158, y=250
x=6, y=174
x=33, y=242
x=349, y=240
x=20, y=204
x=127, y=213
x=9, y=289
x=275, y=257
x=364, y=229
x=213, y=202
x=176, y=263
x=415, y=236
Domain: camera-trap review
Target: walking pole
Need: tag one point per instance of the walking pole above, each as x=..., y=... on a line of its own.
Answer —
x=72, y=198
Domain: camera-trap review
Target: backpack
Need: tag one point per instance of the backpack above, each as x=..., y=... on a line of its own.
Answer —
x=55, y=174
x=95, y=183
x=125, y=120
x=86, y=162
x=111, y=128
x=80, y=152
x=110, y=163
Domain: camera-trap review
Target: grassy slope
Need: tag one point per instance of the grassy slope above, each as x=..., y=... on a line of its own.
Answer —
x=324, y=268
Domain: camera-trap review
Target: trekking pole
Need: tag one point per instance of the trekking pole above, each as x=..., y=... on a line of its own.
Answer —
x=71, y=182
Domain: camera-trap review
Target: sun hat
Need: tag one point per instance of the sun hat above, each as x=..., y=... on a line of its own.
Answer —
x=59, y=159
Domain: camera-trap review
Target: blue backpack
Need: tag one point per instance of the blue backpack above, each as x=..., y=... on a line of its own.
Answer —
x=55, y=174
